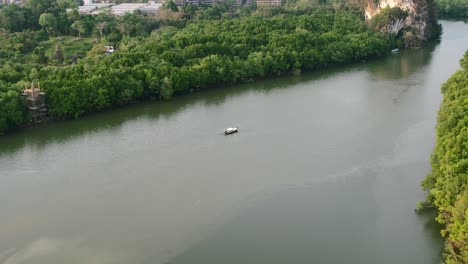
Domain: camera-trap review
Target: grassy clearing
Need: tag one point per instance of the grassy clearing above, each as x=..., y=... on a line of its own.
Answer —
x=70, y=45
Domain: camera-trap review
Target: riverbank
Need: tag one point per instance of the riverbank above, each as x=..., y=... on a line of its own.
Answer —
x=448, y=182
x=205, y=54
x=452, y=9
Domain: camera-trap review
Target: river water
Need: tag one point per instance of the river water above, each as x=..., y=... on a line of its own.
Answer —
x=325, y=169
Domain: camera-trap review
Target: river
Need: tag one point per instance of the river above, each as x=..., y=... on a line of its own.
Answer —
x=325, y=169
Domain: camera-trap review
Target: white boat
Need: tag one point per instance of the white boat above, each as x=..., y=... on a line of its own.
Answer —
x=230, y=130
x=395, y=50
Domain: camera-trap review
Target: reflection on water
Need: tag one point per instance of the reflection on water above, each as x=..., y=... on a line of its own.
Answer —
x=403, y=64
x=151, y=111
x=67, y=130
x=354, y=219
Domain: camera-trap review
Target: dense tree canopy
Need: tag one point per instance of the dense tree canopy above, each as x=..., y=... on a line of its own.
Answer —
x=453, y=8
x=32, y=37
x=154, y=58
x=208, y=53
x=448, y=181
x=12, y=108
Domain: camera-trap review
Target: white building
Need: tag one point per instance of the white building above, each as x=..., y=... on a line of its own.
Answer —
x=145, y=8
x=211, y=2
x=90, y=8
x=10, y=2
x=117, y=10
x=150, y=8
x=268, y=2
x=122, y=9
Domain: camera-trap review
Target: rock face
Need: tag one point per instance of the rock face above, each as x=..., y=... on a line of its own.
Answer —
x=417, y=28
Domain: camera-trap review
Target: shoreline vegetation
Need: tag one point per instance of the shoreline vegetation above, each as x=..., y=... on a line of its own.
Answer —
x=210, y=53
x=448, y=181
x=452, y=8
x=159, y=59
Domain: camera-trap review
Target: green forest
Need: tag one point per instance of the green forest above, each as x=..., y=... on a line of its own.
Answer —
x=453, y=8
x=448, y=182
x=160, y=58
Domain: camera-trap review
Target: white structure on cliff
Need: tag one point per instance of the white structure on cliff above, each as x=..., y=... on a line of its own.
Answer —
x=373, y=8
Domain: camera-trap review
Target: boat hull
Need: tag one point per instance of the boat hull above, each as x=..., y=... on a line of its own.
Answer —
x=230, y=131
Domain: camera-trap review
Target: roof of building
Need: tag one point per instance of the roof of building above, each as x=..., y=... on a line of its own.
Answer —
x=88, y=8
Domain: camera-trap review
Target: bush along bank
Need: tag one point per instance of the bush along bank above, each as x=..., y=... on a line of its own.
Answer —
x=448, y=181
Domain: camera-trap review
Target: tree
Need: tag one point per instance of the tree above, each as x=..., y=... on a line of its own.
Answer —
x=79, y=26
x=12, y=18
x=189, y=10
x=131, y=25
x=48, y=22
x=166, y=88
x=58, y=54
x=170, y=5
x=105, y=23
x=448, y=181
x=100, y=26
x=73, y=15
x=39, y=55
x=13, y=111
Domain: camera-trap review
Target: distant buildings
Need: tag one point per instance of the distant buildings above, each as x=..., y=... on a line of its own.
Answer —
x=268, y=2
x=151, y=7
x=10, y=2
x=211, y=2
x=199, y=2
x=122, y=9
x=118, y=10
x=90, y=8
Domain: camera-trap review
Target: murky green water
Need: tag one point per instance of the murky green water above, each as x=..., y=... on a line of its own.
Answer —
x=325, y=169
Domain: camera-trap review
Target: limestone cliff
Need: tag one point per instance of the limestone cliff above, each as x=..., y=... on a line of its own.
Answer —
x=418, y=25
